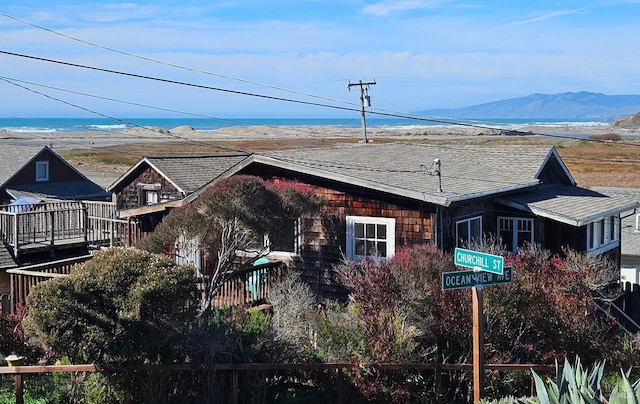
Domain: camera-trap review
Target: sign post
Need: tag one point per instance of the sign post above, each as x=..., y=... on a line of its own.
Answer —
x=488, y=269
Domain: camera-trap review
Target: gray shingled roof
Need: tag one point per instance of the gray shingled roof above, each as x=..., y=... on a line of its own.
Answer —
x=60, y=190
x=186, y=173
x=13, y=158
x=570, y=204
x=402, y=169
x=630, y=238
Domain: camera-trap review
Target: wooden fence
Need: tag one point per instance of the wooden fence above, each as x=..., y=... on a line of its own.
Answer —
x=23, y=279
x=335, y=371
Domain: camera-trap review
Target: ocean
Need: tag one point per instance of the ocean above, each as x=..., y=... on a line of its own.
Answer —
x=52, y=125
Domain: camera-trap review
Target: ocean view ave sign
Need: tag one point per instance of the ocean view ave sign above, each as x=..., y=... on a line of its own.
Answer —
x=478, y=260
x=467, y=279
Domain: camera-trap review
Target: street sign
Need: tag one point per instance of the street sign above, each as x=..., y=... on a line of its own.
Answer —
x=467, y=279
x=479, y=260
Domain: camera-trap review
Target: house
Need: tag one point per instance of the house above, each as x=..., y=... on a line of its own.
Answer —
x=630, y=236
x=155, y=185
x=382, y=197
x=40, y=173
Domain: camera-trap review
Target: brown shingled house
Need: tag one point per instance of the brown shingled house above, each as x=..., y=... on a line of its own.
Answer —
x=382, y=197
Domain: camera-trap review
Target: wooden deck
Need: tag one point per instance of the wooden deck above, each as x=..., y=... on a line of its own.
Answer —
x=52, y=226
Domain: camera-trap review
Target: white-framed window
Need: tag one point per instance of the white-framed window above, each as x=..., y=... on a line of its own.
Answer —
x=514, y=232
x=150, y=197
x=603, y=235
x=370, y=237
x=286, y=239
x=469, y=232
x=42, y=171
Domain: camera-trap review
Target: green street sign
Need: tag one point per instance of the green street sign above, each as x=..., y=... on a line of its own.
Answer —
x=467, y=279
x=482, y=261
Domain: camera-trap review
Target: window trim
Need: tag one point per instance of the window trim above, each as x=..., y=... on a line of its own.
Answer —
x=45, y=164
x=297, y=241
x=390, y=222
x=602, y=240
x=514, y=220
x=468, y=221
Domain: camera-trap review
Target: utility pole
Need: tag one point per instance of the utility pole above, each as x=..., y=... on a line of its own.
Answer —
x=365, y=101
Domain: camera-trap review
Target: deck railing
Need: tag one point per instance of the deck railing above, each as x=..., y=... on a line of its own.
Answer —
x=22, y=280
x=56, y=224
x=249, y=285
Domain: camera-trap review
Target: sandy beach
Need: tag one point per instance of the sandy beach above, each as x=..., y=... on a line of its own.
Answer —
x=185, y=133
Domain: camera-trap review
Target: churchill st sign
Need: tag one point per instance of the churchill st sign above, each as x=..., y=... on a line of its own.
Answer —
x=478, y=260
x=467, y=279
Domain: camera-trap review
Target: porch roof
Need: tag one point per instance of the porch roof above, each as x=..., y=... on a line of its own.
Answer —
x=467, y=171
x=60, y=190
x=569, y=204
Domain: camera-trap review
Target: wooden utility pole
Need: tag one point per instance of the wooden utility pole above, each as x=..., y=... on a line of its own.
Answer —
x=478, y=343
x=365, y=101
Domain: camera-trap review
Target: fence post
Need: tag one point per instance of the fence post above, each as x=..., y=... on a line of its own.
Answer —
x=339, y=386
x=14, y=360
x=438, y=383
x=234, y=386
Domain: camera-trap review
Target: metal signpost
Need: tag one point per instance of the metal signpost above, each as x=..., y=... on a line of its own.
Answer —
x=488, y=269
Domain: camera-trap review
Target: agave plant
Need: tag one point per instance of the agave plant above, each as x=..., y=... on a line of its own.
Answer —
x=624, y=391
x=574, y=385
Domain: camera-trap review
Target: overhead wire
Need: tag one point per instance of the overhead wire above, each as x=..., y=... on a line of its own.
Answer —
x=375, y=112
x=174, y=65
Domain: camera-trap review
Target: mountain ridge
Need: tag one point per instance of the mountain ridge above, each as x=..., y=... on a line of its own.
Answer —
x=567, y=105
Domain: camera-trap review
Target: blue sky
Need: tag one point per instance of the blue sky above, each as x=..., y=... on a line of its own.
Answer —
x=423, y=54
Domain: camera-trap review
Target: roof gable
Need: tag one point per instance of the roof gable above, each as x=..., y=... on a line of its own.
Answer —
x=186, y=173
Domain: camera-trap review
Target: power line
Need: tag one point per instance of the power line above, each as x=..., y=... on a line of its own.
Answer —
x=148, y=59
x=376, y=112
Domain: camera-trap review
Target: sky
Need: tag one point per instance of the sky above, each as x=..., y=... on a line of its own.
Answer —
x=294, y=59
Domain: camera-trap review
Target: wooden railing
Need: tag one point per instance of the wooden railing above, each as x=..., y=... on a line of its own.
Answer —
x=51, y=224
x=22, y=280
x=249, y=285
x=335, y=371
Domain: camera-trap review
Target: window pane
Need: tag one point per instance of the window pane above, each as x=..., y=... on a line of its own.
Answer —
x=283, y=237
x=371, y=248
x=359, y=227
x=382, y=231
x=463, y=234
x=371, y=230
x=506, y=237
x=360, y=247
x=476, y=231
x=382, y=249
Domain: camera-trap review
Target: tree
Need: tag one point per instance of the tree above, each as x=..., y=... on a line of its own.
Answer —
x=233, y=216
x=123, y=305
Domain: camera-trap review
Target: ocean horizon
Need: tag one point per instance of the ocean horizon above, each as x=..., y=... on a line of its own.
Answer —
x=52, y=125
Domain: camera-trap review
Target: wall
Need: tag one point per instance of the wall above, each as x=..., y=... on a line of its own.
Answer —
x=131, y=196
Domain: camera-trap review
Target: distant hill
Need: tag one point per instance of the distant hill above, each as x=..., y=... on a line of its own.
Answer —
x=630, y=122
x=580, y=105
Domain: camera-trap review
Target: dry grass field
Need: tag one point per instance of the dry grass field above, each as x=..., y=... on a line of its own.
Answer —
x=592, y=163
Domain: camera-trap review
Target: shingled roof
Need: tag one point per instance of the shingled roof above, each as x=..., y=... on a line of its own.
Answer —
x=569, y=204
x=467, y=171
x=186, y=173
x=13, y=158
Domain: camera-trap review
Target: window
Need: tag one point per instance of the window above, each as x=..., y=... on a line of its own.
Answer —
x=370, y=237
x=514, y=232
x=42, y=171
x=603, y=235
x=150, y=197
x=469, y=232
x=286, y=238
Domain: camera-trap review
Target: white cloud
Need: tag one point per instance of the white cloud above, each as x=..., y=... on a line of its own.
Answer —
x=387, y=7
x=542, y=17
